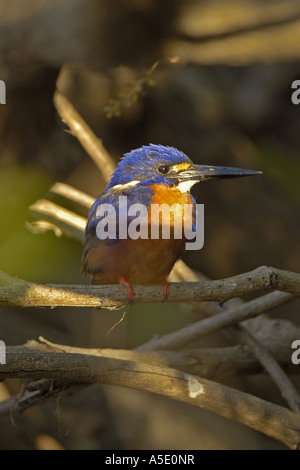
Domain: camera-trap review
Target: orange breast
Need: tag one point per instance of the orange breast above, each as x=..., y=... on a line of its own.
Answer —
x=179, y=207
x=164, y=195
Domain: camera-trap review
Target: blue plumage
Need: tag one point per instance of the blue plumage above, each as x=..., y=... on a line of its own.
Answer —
x=140, y=164
x=153, y=175
x=138, y=194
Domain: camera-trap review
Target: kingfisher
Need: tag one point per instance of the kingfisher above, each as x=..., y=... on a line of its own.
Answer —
x=150, y=176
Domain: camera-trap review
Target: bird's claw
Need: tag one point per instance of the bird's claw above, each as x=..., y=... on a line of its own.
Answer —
x=129, y=289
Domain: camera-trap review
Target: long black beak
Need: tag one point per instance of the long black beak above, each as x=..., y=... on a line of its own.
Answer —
x=205, y=172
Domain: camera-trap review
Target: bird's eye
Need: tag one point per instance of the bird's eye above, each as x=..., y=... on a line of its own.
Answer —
x=163, y=169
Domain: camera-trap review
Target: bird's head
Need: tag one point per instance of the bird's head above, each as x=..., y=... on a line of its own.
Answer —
x=157, y=164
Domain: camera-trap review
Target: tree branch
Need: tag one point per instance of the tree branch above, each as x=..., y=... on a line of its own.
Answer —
x=84, y=134
x=207, y=362
x=74, y=195
x=16, y=292
x=195, y=331
x=273, y=420
x=67, y=222
x=261, y=352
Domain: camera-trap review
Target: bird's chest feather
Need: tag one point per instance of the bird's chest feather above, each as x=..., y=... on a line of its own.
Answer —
x=181, y=206
x=164, y=195
x=144, y=260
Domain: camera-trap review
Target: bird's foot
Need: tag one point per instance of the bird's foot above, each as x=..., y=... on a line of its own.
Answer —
x=129, y=289
x=166, y=290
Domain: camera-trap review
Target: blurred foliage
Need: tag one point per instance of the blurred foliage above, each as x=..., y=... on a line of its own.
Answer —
x=283, y=168
x=134, y=90
x=20, y=186
x=40, y=258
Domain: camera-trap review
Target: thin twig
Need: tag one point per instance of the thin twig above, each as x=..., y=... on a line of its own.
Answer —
x=74, y=195
x=84, y=134
x=69, y=223
x=34, y=393
x=270, y=364
x=195, y=331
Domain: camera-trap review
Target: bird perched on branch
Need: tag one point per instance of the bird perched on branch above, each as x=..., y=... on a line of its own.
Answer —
x=145, y=178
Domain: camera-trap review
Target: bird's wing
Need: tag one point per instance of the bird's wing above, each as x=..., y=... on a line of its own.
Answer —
x=98, y=212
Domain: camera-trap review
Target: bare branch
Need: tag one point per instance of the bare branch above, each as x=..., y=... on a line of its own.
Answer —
x=67, y=222
x=260, y=351
x=275, y=421
x=270, y=364
x=195, y=331
x=73, y=194
x=27, y=294
x=207, y=362
x=86, y=137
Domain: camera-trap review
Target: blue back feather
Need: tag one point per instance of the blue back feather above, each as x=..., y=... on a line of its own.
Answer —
x=141, y=164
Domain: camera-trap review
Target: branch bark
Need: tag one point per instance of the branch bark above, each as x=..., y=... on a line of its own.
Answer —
x=217, y=362
x=195, y=331
x=67, y=222
x=273, y=420
x=267, y=360
x=84, y=134
x=16, y=292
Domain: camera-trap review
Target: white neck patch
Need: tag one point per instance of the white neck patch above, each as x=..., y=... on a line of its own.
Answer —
x=185, y=186
x=120, y=187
